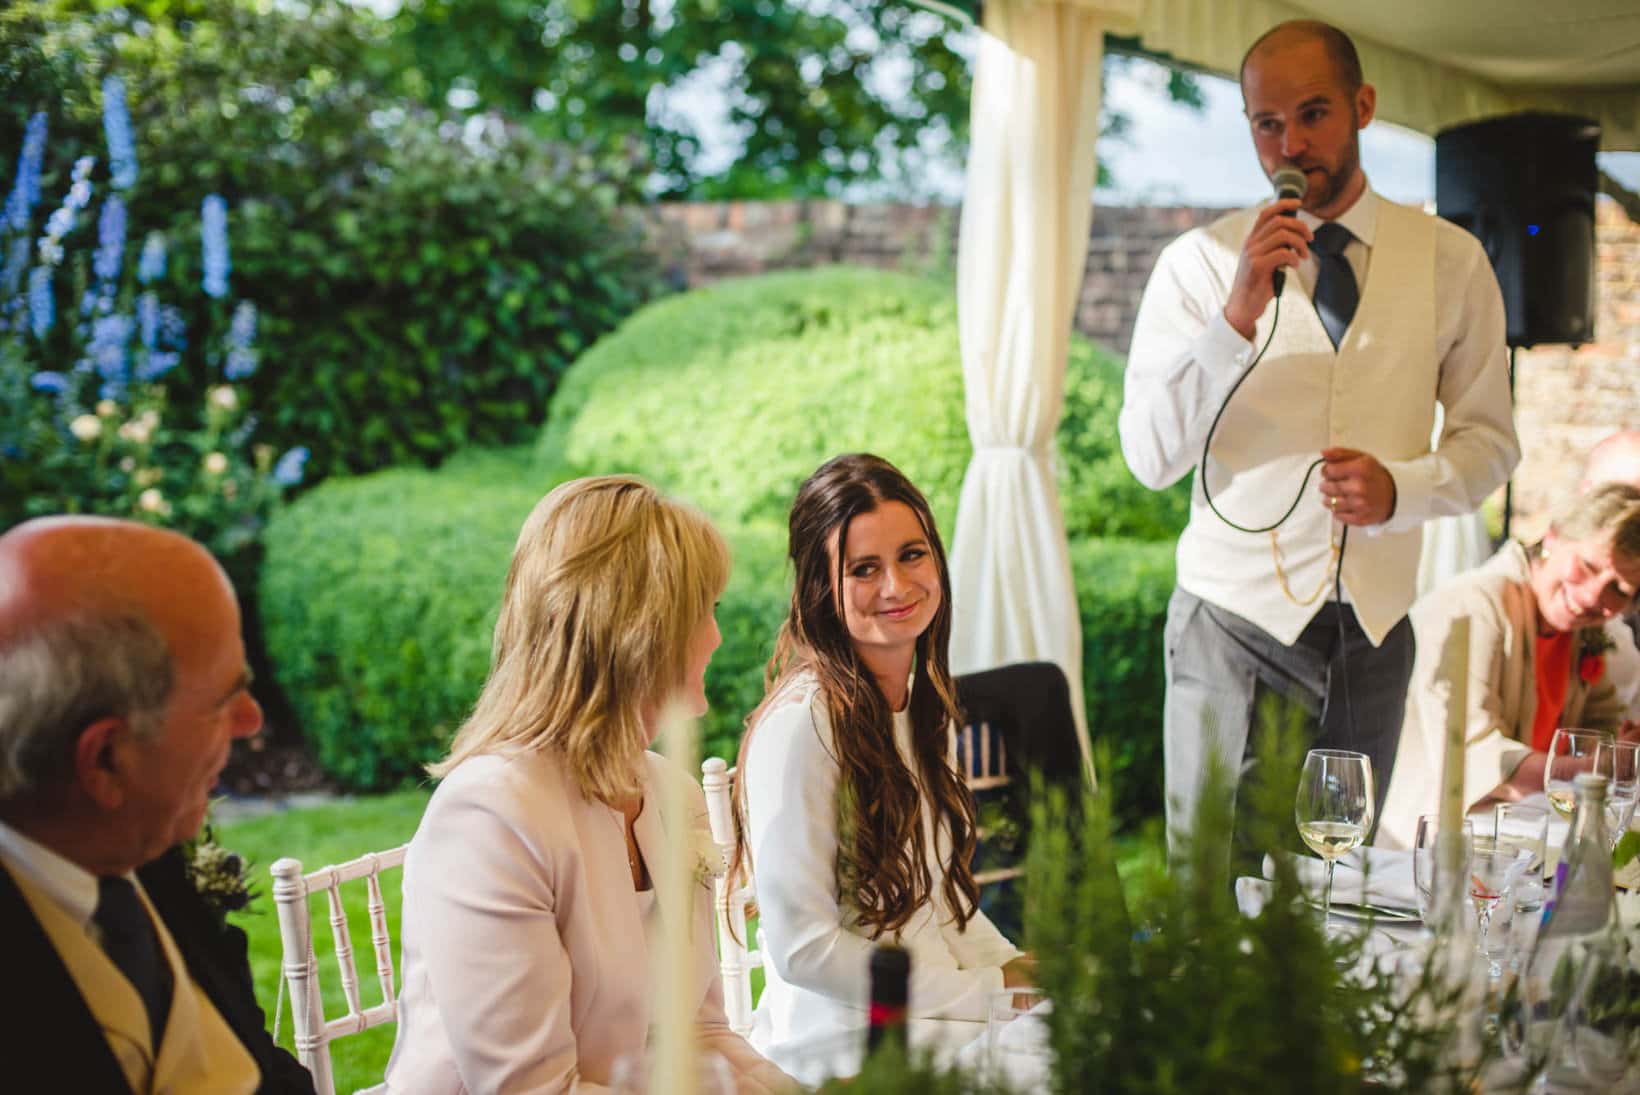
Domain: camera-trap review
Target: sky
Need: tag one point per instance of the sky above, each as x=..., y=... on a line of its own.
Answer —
x=1221, y=170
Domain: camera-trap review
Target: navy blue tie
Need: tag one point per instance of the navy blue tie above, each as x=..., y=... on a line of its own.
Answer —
x=1336, y=293
x=129, y=939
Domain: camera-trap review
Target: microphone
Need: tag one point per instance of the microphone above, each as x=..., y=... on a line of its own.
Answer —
x=1289, y=182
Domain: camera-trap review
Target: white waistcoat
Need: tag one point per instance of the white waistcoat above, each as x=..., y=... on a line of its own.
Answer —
x=1297, y=402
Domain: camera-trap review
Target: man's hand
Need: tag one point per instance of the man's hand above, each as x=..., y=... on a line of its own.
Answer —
x=1277, y=240
x=1356, y=487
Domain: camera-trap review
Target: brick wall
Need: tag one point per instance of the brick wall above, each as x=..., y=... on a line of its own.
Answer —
x=1567, y=399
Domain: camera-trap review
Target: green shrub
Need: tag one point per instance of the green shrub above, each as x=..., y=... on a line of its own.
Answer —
x=1122, y=587
x=378, y=599
x=422, y=281
x=727, y=397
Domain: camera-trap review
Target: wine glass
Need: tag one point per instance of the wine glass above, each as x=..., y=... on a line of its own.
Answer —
x=1333, y=808
x=1495, y=865
x=1570, y=751
x=1619, y=762
x=1425, y=861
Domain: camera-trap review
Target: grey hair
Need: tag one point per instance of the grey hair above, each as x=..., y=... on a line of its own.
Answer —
x=1610, y=509
x=59, y=677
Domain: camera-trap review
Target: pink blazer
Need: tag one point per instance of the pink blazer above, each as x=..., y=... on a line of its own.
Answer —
x=526, y=965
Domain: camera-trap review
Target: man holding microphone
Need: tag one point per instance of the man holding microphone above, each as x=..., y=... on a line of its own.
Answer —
x=1360, y=315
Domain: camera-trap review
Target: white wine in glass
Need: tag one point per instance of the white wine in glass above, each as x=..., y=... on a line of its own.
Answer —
x=1570, y=751
x=1331, y=839
x=1333, y=807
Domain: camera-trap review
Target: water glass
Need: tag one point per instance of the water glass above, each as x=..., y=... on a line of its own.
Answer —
x=1425, y=863
x=1524, y=827
x=1619, y=762
x=1494, y=868
x=1570, y=751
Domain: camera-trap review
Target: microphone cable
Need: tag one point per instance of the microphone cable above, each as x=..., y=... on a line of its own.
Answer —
x=1344, y=536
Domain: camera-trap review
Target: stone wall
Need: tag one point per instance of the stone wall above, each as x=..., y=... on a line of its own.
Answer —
x=1567, y=399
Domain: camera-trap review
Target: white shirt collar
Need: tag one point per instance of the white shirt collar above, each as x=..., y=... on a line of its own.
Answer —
x=1360, y=218
x=62, y=880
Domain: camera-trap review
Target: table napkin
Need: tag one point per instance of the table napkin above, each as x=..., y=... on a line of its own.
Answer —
x=1366, y=876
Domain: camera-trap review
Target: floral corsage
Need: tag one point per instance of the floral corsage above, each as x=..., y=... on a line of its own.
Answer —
x=221, y=877
x=710, y=861
x=1592, y=644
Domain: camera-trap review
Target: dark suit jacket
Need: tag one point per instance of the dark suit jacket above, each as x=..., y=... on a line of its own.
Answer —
x=53, y=1042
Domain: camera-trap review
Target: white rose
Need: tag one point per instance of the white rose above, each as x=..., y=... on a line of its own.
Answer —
x=152, y=501
x=137, y=431
x=216, y=463
x=224, y=397
x=87, y=427
x=107, y=408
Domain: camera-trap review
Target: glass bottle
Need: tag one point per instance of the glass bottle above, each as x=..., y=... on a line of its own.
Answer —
x=1573, y=989
x=890, y=989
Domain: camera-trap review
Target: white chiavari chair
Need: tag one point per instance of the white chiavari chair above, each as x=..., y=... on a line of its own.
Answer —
x=732, y=898
x=300, y=969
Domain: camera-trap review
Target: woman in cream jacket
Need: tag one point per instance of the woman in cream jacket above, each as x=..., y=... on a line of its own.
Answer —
x=529, y=915
x=1534, y=617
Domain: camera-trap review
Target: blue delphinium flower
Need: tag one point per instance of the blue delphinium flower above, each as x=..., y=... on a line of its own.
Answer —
x=122, y=151
x=288, y=471
x=148, y=319
x=214, y=243
x=173, y=329
x=157, y=364
x=61, y=222
x=16, y=262
x=242, y=357
x=109, y=336
x=110, y=239
x=47, y=381
x=25, y=190
x=151, y=267
x=42, y=309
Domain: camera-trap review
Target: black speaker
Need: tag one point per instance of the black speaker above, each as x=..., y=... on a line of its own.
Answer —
x=1525, y=185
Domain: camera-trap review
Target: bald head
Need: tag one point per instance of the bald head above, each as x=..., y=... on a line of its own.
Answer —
x=102, y=623
x=1614, y=460
x=1298, y=32
x=96, y=568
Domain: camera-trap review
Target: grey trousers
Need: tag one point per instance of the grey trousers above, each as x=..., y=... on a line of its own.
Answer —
x=1220, y=666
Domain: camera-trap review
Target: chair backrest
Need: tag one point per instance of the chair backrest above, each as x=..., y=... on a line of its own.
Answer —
x=300, y=969
x=981, y=756
x=732, y=898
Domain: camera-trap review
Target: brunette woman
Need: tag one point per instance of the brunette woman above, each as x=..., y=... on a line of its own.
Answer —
x=858, y=827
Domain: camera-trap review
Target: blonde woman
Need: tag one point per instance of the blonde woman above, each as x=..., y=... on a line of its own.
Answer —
x=1536, y=641
x=528, y=905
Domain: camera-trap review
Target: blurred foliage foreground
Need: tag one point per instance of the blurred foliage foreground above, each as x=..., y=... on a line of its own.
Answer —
x=1159, y=984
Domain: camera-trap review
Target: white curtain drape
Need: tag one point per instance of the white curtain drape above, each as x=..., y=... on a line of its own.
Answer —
x=1022, y=247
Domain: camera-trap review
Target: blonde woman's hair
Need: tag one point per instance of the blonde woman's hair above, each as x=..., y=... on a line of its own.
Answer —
x=608, y=583
x=1609, y=509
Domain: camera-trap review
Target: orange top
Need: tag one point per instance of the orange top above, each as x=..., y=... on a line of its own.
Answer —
x=1553, y=666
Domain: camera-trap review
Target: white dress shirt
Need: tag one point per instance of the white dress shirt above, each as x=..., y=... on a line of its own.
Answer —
x=66, y=883
x=1429, y=327
x=811, y=1017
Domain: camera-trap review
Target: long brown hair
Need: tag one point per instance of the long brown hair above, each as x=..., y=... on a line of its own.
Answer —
x=882, y=857
x=608, y=582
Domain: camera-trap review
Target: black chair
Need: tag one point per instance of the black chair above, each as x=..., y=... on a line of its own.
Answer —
x=1017, y=721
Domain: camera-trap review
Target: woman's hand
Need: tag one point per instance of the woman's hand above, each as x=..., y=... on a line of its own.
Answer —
x=1628, y=730
x=1020, y=973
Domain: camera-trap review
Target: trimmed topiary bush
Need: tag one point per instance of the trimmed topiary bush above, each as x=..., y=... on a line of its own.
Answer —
x=728, y=397
x=1122, y=587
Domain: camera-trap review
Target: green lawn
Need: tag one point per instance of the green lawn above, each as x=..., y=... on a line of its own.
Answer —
x=319, y=836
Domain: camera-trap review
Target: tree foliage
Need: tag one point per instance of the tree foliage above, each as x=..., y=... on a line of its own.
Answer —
x=822, y=95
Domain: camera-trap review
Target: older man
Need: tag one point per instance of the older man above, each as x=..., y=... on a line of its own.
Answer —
x=122, y=684
x=1384, y=312
x=1616, y=459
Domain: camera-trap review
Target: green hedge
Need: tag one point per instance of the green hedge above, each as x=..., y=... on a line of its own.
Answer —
x=380, y=592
